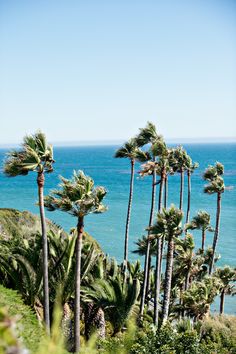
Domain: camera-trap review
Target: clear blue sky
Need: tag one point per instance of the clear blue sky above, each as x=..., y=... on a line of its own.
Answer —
x=98, y=70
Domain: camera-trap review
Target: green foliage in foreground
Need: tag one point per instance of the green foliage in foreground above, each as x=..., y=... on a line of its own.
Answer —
x=28, y=328
x=215, y=335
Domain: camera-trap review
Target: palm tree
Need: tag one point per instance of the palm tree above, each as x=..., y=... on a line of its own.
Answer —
x=201, y=222
x=131, y=151
x=178, y=162
x=149, y=135
x=168, y=225
x=79, y=198
x=141, y=244
x=172, y=219
x=216, y=185
x=190, y=166
x=184, y=258
x=227, y=276
x=200, y=295
x=35, y=155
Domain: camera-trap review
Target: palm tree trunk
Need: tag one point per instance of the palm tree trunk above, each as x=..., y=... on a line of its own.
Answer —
x=216, y=235
x=189, y=196
x=186, y=285
x=80, y=229
x=222, y=302
x=148, y=276
x=203, y=239
x=166, y=192
x=168, y=279
x=94, y=321
x=147, y=263
x=158, y=256
x=128, y=215
x=40, y=182
x=181, y=189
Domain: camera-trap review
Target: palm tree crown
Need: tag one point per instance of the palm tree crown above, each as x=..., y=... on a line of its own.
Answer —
x=131, y=151
x=35, y=155
x=148, y=135
x=213, y=175
x=77, y=196
x=201, y=221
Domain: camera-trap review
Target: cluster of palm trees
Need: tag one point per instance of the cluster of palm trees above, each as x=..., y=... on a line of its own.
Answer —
x=93, y=282
x=164, y=230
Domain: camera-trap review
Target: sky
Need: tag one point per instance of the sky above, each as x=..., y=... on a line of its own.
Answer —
x=98, y=70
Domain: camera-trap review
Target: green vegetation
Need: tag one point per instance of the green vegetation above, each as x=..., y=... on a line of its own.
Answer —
x=28, y=327
x=96, y=305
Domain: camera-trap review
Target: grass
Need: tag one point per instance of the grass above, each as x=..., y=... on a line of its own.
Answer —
x=28, y=327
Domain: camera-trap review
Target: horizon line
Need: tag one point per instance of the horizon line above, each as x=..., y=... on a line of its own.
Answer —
x=110, y=142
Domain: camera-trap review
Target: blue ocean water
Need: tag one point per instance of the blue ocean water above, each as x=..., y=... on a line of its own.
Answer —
x=114, y=174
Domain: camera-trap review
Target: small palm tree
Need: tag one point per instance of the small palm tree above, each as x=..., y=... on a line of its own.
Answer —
x=184, y=258
x=142, y=246
x=200, y=295
x=191, y=167
x=79, y=198
x=201, y=222
x=216, y=185
x=131, y=151
x=227, y=276
x=36, y=155
x=116, y=298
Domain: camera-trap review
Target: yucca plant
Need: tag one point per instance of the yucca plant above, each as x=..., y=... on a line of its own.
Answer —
x=78, y=197
x=35, y=155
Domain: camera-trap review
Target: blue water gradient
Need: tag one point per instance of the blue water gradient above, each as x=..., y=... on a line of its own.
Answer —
x=108, y=228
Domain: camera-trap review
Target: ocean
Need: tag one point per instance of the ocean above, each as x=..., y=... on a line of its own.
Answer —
x=114, y=174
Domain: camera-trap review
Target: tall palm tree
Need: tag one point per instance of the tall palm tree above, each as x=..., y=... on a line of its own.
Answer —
x=178, y=162
x=227, y=276
x=163, y=169
x=149, y=135
x=35, y=155
x=79, y=198
x=169, y=225
x=191, y=167
x=216, y=185
x=131, y=151
x=201, y=222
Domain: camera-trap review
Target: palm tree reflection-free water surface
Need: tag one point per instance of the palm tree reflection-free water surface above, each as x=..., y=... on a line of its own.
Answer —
x=114, y=174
